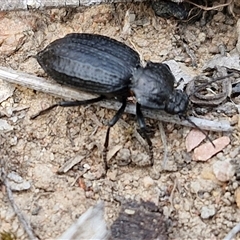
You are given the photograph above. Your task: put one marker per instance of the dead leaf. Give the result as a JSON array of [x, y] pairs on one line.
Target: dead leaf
[[207, 150], [193, 139]]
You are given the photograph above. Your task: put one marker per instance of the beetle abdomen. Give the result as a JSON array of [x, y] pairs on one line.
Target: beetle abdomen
[[90, 62]]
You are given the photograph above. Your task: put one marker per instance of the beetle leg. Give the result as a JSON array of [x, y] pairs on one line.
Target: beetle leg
[[111, 123], [68, 104], [142, 124]]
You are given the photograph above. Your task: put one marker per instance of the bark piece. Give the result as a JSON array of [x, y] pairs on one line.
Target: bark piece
[[139, 221]]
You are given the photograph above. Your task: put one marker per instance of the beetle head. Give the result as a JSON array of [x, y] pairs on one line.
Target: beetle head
[[177, 102]]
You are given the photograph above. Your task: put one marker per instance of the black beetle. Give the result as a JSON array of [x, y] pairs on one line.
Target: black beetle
[[104, 66]]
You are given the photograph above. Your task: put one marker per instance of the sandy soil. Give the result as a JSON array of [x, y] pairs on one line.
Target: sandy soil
[[36, 149]]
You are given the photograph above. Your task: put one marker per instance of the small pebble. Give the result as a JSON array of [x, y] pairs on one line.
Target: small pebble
[[187, 205], [223, 170], [202, 37], [113, 175], [208, 211], [148, 182], [17, 183], [234, 152], [86, 166], [207, 173], [10, 214], [195, 187], [4, 126], [235, 185], [129, 211]]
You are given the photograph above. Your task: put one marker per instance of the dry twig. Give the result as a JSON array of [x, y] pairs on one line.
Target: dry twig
[[21, 218], [53, 88], [164, 142], [44, 4], [233, 232]]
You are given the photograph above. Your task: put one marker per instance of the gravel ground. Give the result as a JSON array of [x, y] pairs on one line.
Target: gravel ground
[[195, 204]]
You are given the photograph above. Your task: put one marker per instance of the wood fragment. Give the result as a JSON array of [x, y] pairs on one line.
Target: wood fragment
[[90, 225], [51, 87], [164, 142], [10, 5], [70, 163]]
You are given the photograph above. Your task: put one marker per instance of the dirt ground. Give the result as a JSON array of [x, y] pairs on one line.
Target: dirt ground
[[186, 190]]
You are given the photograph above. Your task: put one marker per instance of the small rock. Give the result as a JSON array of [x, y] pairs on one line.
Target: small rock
[[195, 186], [89, 176], [223, 170], [9, 217], [237, 197], [148, 182], [207, 150], [207, 173], [17, 183], [140, 159], [40, 171], [238, 33], [193, 139], [129, 211], [202, 37], [4, 126], [235, 185], [123, 157], [208, 211], [187, 205], [6, 90], [113, 175], [234, 153], [219, 17], [86, 166], [202, 185]]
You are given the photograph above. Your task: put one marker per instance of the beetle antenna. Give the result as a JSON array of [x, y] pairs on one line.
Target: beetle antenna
[[197, 127]]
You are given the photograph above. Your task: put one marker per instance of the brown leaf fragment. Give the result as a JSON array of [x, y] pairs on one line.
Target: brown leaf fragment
[[206, 151], [193, 139]]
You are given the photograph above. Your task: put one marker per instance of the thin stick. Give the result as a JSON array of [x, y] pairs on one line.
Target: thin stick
[[51, 87], [21, 218], [44, 4], [164, 142], [233, 232]]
